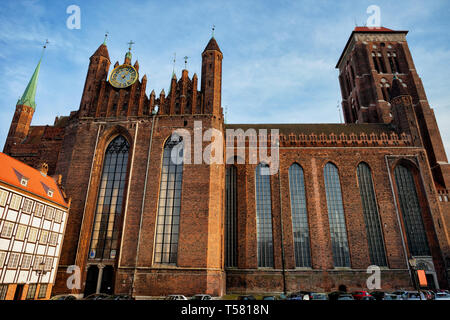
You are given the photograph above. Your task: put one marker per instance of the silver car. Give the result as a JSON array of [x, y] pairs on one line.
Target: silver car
[[442, 296], [176, 297]]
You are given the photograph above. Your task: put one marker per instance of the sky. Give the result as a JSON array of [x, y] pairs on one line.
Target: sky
[[279, 56]]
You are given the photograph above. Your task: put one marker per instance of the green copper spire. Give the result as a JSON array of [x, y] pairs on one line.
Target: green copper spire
[[28, 97]]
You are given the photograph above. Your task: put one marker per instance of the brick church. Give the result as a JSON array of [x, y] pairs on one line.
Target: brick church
[[371, 191]]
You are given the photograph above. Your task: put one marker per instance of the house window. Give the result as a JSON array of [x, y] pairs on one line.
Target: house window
[[2, 258], [38, 263], [42, 291], [48, 264], [7, 229], [15, 202], [106, 231], [3, 291], [411, 212], [26, 261], [231, 217], [3, 197], [168, 221], [58, 216], [13, 260], [21, 232], [339, 243], [31, 293], [49, 213], [39, 210], [371, 215], [44, 237], [27, 206], [263, 216], [53, 239], [33, 235], [24, 181], [299, 214]]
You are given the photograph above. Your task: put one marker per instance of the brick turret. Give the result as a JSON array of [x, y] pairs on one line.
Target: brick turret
[[211, 82]]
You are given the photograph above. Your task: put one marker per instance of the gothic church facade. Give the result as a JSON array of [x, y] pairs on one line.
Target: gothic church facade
[[372, 191]]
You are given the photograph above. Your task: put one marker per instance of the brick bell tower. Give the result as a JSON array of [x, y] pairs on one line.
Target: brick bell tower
[[371, 59], [23, 115]]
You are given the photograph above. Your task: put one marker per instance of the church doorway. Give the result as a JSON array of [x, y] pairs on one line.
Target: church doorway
[[91, 280], [107, 285]]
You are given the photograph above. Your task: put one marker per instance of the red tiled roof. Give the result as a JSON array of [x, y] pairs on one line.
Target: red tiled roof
[[372, 29], [12, 171]]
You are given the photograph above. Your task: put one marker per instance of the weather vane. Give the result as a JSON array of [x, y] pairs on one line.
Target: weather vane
[[213, 28], [185, 61], [106, 36]]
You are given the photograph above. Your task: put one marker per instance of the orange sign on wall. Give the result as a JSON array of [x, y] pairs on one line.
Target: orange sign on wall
[[422, 278]]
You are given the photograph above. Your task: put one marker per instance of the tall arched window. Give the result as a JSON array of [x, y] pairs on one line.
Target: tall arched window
[[264, 216], [168, 221], [411, 212], [371, 215], [338, 231], [231, 219], [299, 217], [106, 230]]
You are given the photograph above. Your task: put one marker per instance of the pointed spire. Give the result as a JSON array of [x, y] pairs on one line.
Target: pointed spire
[[102, 51], [29, 95], [136, 65], [212, 45]]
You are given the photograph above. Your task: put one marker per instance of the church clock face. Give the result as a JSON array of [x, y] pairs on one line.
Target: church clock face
[[123, 76]]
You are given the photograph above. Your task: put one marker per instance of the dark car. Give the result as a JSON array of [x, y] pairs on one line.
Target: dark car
[[119, 297], [345, 296], [269, 298], [64, 297], [97, 296], [378, 295], [247, 297], [295, 296]]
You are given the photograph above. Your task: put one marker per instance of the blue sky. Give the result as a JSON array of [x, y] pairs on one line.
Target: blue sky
[[279, 56]]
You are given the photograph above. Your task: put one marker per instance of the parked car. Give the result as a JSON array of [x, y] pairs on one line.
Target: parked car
[[390, 296], [295, 296], [403, 295], [358, 295], [442, 296], [96, 296], [269, 298], [430, 295], [64, 297], [201, 297], [345, 296], [367, 298], [414, 295], [378, 295], [119, 297], [175, 297], [318, 296], [246, 297]]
